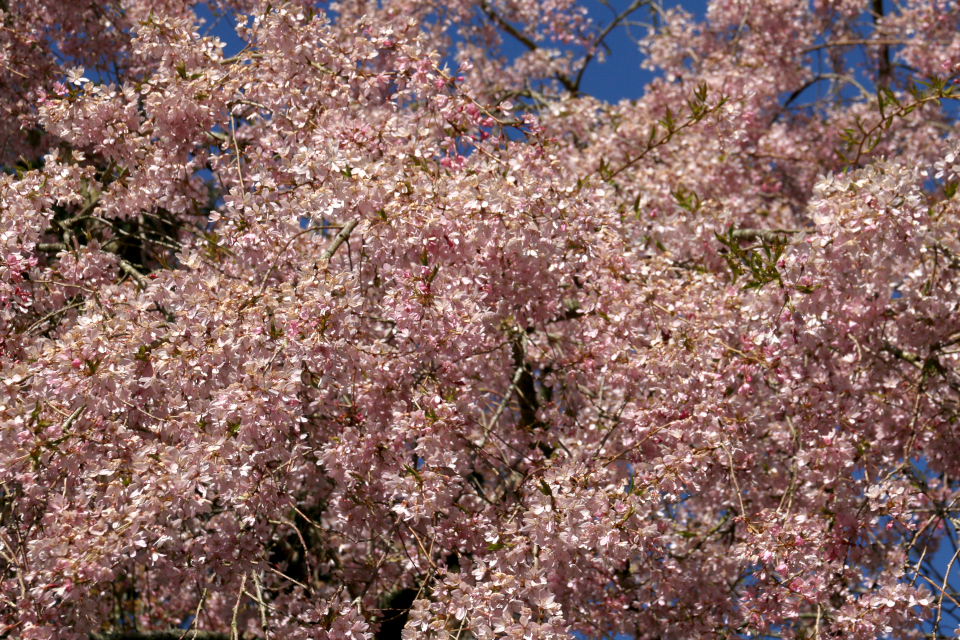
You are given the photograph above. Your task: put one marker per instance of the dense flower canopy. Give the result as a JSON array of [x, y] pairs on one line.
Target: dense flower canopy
[[373, 328]]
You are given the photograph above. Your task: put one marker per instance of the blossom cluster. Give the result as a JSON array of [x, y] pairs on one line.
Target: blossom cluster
[[368, 328]]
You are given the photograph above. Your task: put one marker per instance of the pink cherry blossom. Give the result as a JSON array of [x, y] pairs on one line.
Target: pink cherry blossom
[[375, 329]]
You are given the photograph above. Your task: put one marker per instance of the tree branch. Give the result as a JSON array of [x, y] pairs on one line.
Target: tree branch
[[636, 4], [524, 40], [767, 235], [338, 240], [131, 270], [51, 247]]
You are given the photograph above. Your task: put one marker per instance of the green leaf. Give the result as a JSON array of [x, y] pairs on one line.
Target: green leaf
[[413, 472], [545, 488]]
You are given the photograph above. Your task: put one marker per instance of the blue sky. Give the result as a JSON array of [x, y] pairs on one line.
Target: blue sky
[[621, 76]]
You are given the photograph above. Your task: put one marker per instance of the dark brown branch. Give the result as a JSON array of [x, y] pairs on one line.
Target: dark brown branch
[[82, 215], [836, 77], [884, 70], [851, 43], [636, 4], [525, 388], [524, 40], [509, 28]]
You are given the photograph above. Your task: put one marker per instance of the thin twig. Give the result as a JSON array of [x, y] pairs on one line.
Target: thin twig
[[286, 577], [64, 284], [492, 422], [306, 551], [733, 478], [240, 58], [196, 616], [943, 590], [233, 134], [524, 40], [52, 314], [276, 259], [260, 604], [850, 43], [636, 4], [234, 634]]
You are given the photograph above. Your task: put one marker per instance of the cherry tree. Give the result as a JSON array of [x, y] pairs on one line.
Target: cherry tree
[[374, 330]]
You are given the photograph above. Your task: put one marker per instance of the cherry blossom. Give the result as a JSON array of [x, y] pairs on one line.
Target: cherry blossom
[[373, 329]]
